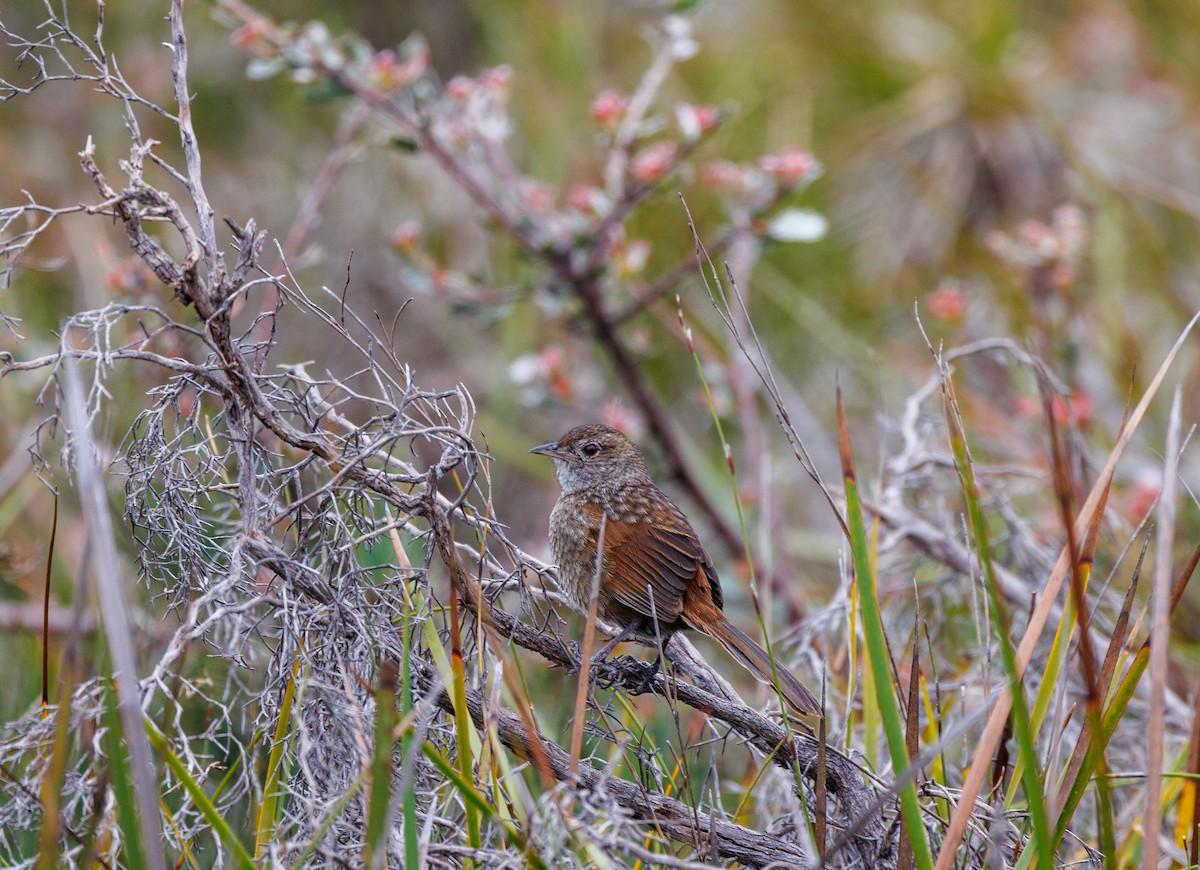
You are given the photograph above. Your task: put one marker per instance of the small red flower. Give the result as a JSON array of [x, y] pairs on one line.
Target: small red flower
[[1082, 406], [695, 120], [652, 162], [789, 166], [1141, 497], [406, 235], [497, 80], [609, 107], [948, 303], [249, 33], [460, 89]]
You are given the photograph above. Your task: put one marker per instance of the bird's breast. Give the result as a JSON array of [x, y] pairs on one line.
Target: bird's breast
[[573, 534]]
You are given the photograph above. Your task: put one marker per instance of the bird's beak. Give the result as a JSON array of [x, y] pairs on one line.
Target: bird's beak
[[552, 451]]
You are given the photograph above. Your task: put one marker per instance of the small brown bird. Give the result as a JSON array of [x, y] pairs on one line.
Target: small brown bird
[[653, 565]]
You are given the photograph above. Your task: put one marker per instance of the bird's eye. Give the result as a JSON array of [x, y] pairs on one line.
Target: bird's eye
[[591, 448]]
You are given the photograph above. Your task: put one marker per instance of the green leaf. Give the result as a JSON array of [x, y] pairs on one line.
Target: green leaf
[[407, 144]]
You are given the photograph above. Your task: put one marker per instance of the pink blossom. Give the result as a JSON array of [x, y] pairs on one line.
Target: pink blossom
[[653, 161], [788, 166], [608, 107], [542, 373], [460, 89], [695, 120], [630, 258], [538, 196], [1063, 274], [722, 174], [582, 197], [613, 413], [498, 81], [250, 33], [948, 302], [718, 173], [1069, 222], [387, 73], [405, 236]]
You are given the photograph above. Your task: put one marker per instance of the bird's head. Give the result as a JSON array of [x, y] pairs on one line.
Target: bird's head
[[592, 456]]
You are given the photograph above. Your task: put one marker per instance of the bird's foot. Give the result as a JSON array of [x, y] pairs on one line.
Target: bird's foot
[[645, 683], [606, 672], [574, 656], [612, 672]]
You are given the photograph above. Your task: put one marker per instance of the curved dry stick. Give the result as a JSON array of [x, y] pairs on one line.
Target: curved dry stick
[[674, 818], [800, 752]]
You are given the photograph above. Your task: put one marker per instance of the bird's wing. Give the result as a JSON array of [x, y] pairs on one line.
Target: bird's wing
[[664, 554]]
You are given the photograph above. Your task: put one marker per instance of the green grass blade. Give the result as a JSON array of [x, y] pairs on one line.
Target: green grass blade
[[1041, 841], [380, 795], [268, 815], [412, 853], [480, 804], [51, 832], [128, 818], [196, 792], [877, 653]]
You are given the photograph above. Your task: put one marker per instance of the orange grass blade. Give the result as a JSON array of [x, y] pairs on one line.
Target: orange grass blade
[[1188, 827]]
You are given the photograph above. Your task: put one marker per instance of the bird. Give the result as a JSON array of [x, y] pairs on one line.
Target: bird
[[655, 577]]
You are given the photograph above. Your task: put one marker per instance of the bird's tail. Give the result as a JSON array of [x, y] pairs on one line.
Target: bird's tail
[[754, 659]]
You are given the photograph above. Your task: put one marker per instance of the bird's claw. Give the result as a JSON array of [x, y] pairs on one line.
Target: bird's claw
[[572, 658], [645, 679], [606, 672], [611, 672]]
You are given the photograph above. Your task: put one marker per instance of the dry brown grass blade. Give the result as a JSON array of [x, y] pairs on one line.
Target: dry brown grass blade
[[1139, 661], [1182, 583], [1121, 627], [1037, 623], [1087, 555], [821, 791], [46, 610], [1081, 562], [1115, 644]]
